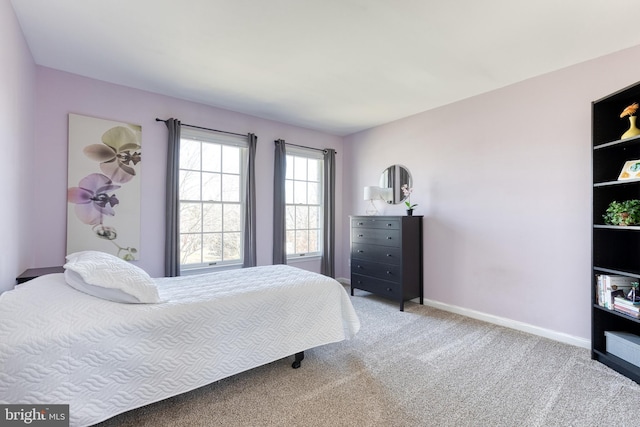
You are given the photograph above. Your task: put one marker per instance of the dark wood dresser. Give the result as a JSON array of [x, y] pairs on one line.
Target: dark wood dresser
[[386, 256]]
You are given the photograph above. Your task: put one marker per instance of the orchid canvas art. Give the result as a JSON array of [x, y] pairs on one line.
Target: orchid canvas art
[[103, 192]]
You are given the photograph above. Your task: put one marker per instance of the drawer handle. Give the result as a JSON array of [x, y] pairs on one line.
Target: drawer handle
[[388, 237], [389, 289], [360, 235], [358, 266], [389, 225], [361, 223], [389, 273], [360, 251], [359, 282], [389, 255]]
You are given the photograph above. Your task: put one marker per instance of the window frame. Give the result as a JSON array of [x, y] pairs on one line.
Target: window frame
[[204, 136], [306, 153]]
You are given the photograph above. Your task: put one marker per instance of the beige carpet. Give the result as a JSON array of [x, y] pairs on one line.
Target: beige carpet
[[423, 367]]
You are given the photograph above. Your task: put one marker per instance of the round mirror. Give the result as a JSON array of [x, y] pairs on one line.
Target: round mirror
[[393, 178]]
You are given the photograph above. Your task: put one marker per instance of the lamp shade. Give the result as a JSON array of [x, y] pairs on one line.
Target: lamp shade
[[371, 193]]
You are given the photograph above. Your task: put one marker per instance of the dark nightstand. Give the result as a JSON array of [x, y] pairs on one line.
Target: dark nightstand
[[32, 273]]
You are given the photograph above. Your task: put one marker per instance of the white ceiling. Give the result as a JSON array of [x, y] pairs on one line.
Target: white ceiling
[[339, 66]]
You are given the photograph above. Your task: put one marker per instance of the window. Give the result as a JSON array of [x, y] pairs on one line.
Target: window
[[303, 193], [212, 177]]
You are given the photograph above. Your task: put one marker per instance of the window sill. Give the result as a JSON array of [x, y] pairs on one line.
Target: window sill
[[295, 259]]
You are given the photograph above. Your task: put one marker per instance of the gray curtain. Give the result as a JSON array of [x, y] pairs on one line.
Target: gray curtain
[[279, 204], [250, 208], [329, 201], [172, 217]]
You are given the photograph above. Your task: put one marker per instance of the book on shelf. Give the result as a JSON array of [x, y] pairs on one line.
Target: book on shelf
[[623, 305], [627, 302], [626, 310], [607, 284]]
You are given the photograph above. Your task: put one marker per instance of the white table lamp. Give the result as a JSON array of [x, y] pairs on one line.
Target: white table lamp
[[372, 193]]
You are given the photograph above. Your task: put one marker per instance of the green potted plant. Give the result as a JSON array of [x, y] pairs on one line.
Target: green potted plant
[[623, 213], [407, 193]]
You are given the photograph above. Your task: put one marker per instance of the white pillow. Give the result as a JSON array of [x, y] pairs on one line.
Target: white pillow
[[109, 277]]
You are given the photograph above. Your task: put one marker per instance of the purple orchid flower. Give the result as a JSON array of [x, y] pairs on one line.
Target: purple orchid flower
[[119, 149], [92, 199]]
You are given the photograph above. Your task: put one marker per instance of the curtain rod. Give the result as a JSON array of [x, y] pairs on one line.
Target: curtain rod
[[324, 150], [200, 127]]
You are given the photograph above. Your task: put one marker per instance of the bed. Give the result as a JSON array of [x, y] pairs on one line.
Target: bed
[[60, 345]]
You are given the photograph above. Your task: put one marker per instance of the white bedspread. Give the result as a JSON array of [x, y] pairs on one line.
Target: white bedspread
[[58, 345]]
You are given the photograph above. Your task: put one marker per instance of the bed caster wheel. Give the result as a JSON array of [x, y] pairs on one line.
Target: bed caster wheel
[[299, 357]]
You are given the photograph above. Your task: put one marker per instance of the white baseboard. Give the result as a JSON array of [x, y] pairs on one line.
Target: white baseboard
[[513, 324], [502, 321]]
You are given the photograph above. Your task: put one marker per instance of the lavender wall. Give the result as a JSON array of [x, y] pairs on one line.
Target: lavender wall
[[17, 82], [60, 93], [504, 182]]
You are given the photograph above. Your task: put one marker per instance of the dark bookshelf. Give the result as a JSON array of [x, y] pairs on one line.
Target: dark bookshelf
[[615, 249]]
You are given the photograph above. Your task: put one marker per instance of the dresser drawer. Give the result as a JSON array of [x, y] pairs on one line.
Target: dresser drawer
[[389, 224], [376, 236], [376, 286], [388, 272], [383, 254]]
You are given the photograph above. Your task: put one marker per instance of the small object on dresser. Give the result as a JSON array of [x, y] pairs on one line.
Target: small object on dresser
[[406, 191]]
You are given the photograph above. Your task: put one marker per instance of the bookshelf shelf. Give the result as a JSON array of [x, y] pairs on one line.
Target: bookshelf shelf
[[628, 142], [616, 313], [615, 249], [601, 270], [610, 183], [618, 227]]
